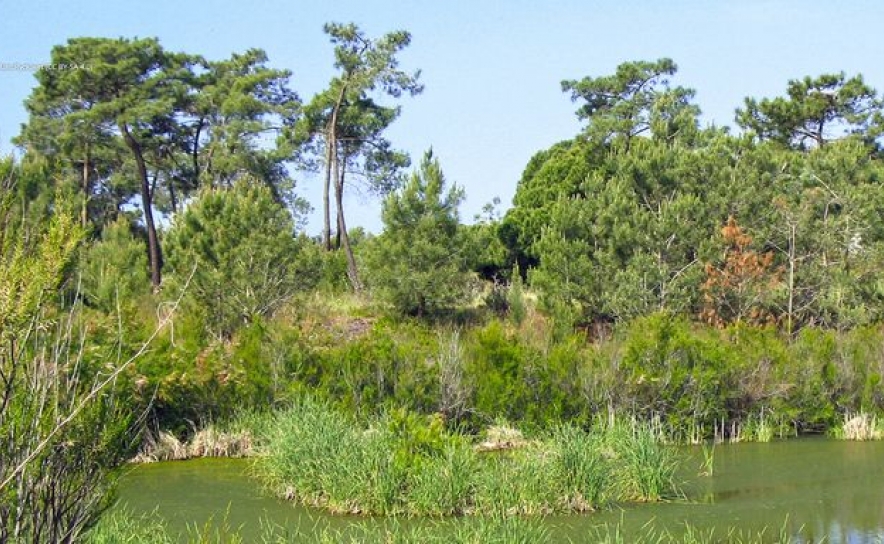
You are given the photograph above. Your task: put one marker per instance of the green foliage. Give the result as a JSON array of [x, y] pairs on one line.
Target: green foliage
[[122, 527], [65, 430], [123, 101], [406, 464], [635, 99], [550, 175], [497, 367], [343, 126], [137, 120], [245, 262], [484, 252], [566, 277], [515, 297], [631, 245], [416, 265], [193, 383], [674, 374], [648, 465], [114, 268], [622, 221], [581, 468], [815, 110], [616, 231], [388, 365], [443, 484], [696, 382], [237, 101]]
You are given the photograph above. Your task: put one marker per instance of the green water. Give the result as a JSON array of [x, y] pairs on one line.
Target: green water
[[828, 489]]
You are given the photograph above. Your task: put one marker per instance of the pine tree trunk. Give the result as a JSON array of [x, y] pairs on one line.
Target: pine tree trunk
[[352, 270], [326, 198], [331, 168], [153, 245], [84, 211]]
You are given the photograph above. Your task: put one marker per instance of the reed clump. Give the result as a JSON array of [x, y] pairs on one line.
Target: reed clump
[[404, 464], [860, 426], [211, 441]]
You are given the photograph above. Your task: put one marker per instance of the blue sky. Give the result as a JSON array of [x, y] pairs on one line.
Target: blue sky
[[492, 69]]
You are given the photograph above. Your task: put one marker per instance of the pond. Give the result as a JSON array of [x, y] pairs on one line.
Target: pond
[[827, 489]]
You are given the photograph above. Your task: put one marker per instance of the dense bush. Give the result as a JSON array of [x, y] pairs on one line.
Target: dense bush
[[417, 264], [239, 245], [696, 381], [670, 371], [64, 426], [114, 268]]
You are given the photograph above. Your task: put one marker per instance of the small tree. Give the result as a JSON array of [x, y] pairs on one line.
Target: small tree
[[515, 298], [114, 269], [740, 289], [248, 262], [416, 264]]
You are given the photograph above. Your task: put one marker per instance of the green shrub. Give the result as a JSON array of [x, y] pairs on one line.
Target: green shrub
[[64, 423], [515, 298], [496, 372], [416, 264], [114, 268], [239, 246], [674, 373]]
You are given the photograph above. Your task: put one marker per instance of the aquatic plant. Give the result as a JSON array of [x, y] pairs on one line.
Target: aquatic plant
[[647, 464], [580, 468], [444, 484], [210, 441], [859, 426], [708, 466], [121, 526], [407, 464]]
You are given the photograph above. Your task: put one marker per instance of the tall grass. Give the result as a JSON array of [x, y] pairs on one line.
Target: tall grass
[[518, 481], [708, 466], [580, 468], [402, 464], [443, 485], [859, 426], [122, 527], [315, 455], [616, 534], [647, 465]]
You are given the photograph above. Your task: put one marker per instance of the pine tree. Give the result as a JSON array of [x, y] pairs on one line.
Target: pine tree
[[416, 264]]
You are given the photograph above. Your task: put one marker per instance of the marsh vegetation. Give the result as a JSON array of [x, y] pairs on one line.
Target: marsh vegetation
[[655, 282]]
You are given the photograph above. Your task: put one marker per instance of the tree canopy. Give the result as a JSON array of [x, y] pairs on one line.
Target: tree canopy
[[816, 111]]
